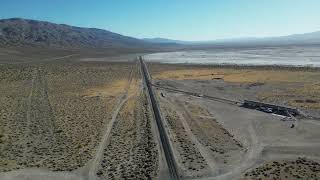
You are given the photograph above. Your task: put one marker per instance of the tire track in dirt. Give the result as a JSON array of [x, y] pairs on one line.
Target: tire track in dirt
[[39, 134], [29, 101], [122, 99], [183, 112], [96, 161], [248, 161]]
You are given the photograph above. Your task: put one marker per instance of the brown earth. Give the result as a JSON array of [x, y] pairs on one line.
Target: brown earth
[[235, 142], [297, 87], [53, 115], [300, 168]]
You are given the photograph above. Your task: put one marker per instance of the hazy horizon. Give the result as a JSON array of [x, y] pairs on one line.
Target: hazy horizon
[[179, 20]]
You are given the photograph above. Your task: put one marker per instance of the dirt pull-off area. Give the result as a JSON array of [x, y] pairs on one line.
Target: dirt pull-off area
[[202, 146], [224, 147]]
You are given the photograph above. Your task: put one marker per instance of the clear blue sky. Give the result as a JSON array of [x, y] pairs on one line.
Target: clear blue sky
[[176, 19]]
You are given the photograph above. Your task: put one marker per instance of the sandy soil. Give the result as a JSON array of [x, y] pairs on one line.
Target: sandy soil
[[249, 141], [301, 168], [131, 152], [297, 87], [55, 116], [60, 125], [188, 157], [92, 120]]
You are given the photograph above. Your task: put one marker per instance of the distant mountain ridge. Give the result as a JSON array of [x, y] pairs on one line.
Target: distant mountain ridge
[[163, 41], [24, 32], [17, 32], [306, 38], [313, 37]]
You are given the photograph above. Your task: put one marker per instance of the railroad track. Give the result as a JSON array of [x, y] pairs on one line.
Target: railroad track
[[288, 111], [199, 95], [163, 136]]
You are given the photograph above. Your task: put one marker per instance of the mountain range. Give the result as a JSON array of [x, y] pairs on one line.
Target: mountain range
[[31, 33], [18, 32], [302, 39]]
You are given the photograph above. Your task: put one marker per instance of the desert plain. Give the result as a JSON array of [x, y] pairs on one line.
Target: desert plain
[[87, 117]]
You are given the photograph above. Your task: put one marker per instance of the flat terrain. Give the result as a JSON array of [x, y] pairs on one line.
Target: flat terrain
[[291, 55], [219, 140], [50, 115], [291, 86], [79, 116], [76, 120]]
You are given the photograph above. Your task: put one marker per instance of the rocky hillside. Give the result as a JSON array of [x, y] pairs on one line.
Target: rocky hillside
[[18, 32]]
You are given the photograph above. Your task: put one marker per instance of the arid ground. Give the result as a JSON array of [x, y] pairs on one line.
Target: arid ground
[[221, 140], [87, 116], [84, 119]]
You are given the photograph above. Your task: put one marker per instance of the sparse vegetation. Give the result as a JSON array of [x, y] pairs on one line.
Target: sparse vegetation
[[131, 152], [238, 138], [300, 168], [55, 115], [48, 117], [212, 134], [295, 87], [192, 162]]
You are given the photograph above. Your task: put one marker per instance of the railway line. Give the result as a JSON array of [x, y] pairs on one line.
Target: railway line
[[200, 95], [264, 107], [163, 136]]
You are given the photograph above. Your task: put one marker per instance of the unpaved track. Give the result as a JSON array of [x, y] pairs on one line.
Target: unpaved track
[[40, 122], [97, 160], [308, 150], [249, 159], [29, 101], [38, 134], [84, 173], [104, 141], [59, 58], [39, 174], [183, 111]]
